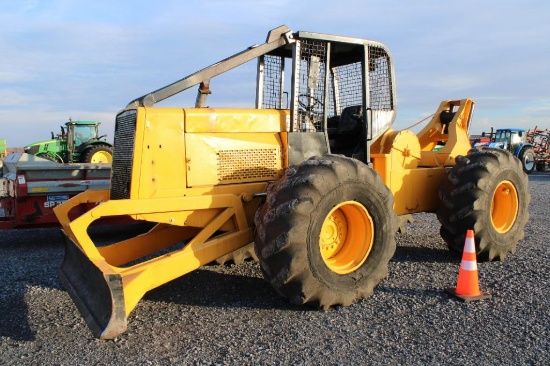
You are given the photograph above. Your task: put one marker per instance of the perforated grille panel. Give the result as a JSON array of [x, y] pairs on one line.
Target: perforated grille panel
[[248, 164], [125, 132]]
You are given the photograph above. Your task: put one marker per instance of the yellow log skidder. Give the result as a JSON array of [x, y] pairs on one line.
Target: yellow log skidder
[[313, 176]]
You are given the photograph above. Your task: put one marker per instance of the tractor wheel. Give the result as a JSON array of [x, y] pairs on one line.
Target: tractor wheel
[[527, 158], [98, 154], [326, 232], [239, 256], [488, 192]]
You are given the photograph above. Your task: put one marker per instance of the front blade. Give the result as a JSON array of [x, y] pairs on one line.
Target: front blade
[[98, 296]]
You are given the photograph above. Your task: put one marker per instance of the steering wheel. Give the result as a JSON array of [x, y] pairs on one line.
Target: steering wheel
[[309, 117], [310, 98]]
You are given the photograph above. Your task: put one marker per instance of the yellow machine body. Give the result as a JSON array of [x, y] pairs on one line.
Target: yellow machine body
[[200, 174], [195, 173], [413, 166]]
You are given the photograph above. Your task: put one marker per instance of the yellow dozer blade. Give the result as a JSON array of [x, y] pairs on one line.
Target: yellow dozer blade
[[106, 282], [99, 296]]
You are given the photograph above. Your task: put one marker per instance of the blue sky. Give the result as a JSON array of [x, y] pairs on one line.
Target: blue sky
[[88, 59]]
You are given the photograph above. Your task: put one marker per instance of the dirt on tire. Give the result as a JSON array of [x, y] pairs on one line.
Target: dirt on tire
[[468, 202], [289, 225]]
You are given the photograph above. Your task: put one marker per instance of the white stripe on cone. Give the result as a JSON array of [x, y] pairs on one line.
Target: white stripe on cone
[[468, 265], [470, 246]]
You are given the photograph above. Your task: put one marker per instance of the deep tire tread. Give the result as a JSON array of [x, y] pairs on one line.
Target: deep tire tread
[[284, 220], [466, 202]]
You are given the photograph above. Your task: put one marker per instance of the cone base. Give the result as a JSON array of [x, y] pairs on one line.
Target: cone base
[[482, 295]]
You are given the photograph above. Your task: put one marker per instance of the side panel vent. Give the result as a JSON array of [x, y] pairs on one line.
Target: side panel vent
[[247, 165], [228, 158]]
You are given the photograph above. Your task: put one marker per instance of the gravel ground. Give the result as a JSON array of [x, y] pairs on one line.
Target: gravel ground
[[229, 315]]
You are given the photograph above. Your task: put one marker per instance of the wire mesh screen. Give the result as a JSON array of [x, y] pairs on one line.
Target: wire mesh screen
[[310, 86], [380, 90], [346, 88], [380, 83], [272, 82]]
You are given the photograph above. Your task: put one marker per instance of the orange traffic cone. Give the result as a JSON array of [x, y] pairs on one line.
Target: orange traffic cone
[[467, 286]]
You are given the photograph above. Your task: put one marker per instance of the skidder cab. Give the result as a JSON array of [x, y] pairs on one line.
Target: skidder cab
[[312, 174]]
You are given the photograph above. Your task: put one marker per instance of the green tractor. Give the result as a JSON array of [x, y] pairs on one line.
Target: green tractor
[[78, 142], [2, 148]]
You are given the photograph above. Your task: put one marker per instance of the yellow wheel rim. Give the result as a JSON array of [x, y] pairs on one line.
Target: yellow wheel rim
[[346, 237], [102, 157], [504, 207]]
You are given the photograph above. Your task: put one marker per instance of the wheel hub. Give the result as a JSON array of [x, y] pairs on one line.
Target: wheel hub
[[346, 237], [101, 157], [333, 234], [504, 206], [529, 161]]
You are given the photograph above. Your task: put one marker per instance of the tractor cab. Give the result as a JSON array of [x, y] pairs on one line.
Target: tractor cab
[[508, 139], [81, 132], [515, 141]]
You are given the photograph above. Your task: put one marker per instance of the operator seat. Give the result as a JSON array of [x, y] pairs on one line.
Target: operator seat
[[346, 136], [351, 120]]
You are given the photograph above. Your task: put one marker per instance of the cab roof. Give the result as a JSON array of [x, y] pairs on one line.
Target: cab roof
[[514, 129]]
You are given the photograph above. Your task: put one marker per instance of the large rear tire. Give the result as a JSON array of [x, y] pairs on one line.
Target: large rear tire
[[98, 154], [487, 192], [326, 232]]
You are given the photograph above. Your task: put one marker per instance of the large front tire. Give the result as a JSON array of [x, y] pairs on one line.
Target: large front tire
[[326, 232], [487, 192]]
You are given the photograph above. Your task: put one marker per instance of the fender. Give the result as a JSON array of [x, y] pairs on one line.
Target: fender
[[88, 144], [520, 147]]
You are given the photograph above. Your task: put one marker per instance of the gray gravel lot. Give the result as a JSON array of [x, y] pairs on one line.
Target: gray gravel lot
[[229, 315]]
